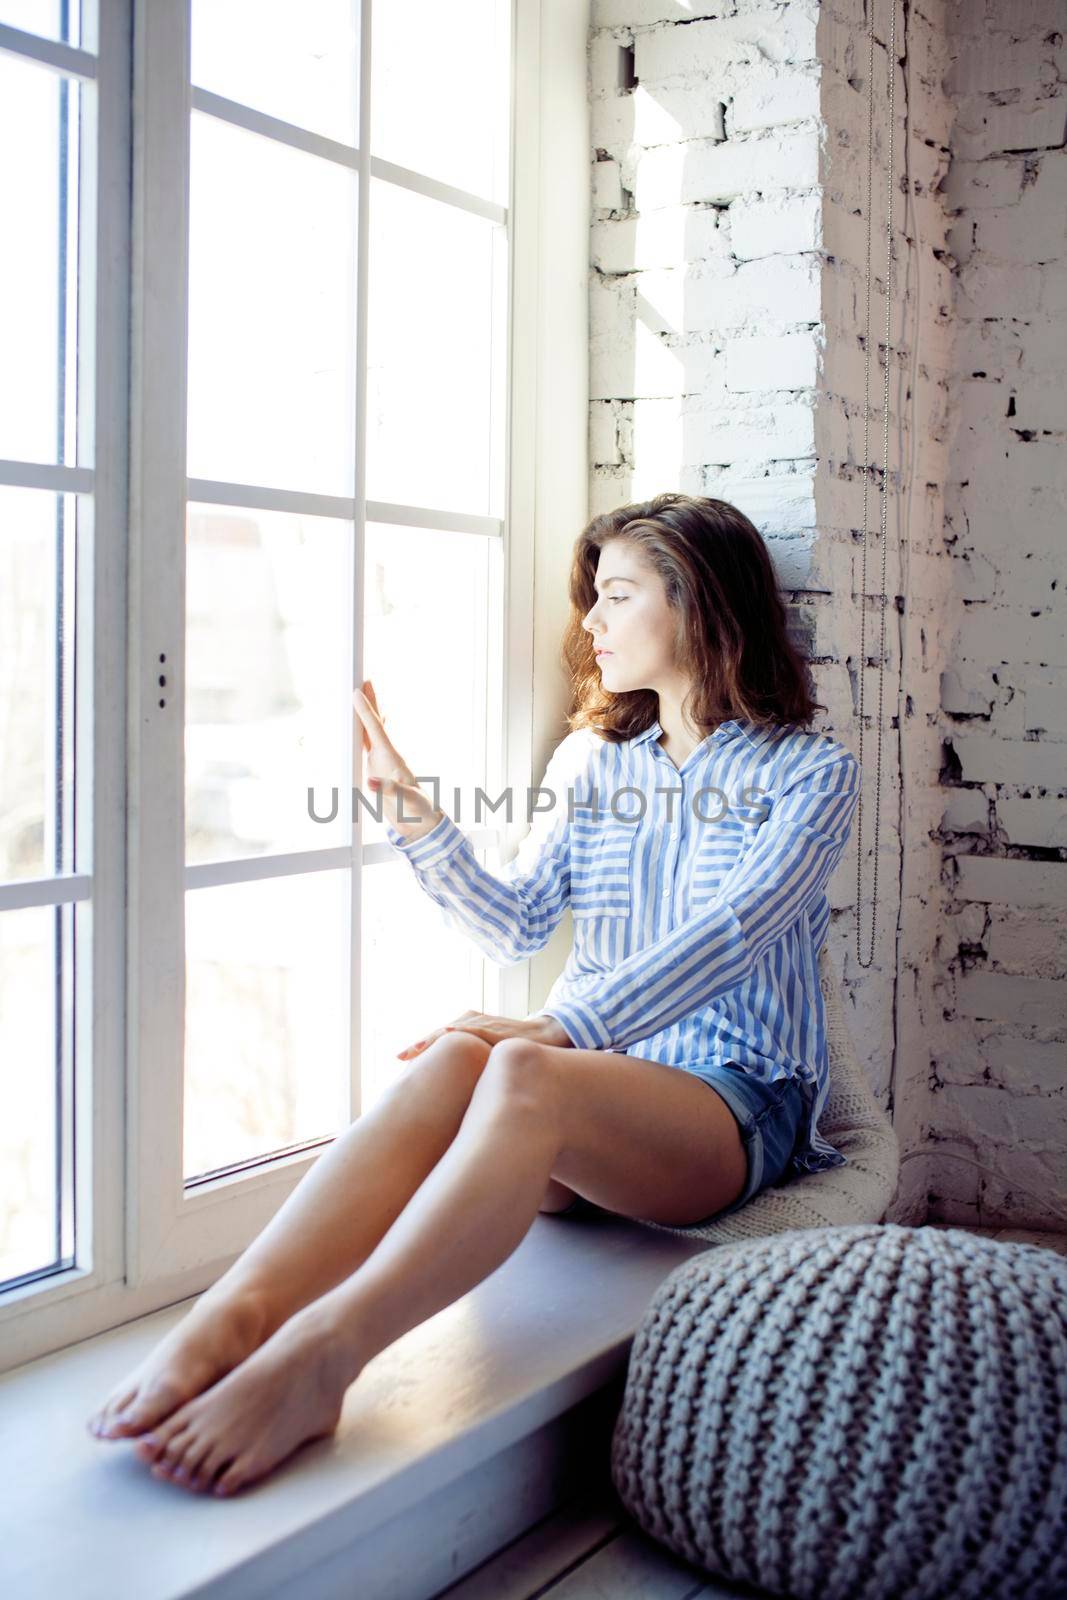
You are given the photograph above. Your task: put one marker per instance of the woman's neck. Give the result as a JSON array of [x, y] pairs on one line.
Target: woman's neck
[[680, 736]]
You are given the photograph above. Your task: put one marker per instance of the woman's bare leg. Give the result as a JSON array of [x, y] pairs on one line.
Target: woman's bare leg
[[468, 1216], [327, 1227]]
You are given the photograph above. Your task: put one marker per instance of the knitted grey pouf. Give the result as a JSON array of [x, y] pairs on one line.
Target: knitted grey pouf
[[856, 1413]]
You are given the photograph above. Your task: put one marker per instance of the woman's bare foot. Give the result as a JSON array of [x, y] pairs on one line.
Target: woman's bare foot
[[219, 1332], [288, 1391]]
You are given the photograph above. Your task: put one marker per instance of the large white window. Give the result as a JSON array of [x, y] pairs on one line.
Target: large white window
[[272, 399]]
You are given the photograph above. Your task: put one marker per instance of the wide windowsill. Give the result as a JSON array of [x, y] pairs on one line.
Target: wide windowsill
[[553, 1325]]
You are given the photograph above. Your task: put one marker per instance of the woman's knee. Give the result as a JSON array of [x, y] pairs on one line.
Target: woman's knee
[[452, 1064]]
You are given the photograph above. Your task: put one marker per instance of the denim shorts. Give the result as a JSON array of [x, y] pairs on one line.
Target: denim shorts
[[770, 1117]]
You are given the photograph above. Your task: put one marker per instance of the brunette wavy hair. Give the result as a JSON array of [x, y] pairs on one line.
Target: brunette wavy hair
[[730, 640]]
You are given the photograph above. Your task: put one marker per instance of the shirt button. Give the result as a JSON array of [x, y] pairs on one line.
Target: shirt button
[[666, 892], [674, 835]]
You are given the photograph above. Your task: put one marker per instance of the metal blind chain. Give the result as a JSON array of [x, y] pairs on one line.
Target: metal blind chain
[[867, 466]]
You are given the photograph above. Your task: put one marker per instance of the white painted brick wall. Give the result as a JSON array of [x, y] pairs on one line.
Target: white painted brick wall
[[898, 990], [786, 362], [1040, 822], [1004, 705], [727, 301]]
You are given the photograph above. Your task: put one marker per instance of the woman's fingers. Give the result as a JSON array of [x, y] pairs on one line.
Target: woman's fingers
[[371, 700], [368, 714], [417, 1049], [424, 1044], [366, 699], [374, 734]]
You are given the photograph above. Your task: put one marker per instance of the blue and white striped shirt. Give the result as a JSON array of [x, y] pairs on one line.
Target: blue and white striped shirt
[[698, 896]]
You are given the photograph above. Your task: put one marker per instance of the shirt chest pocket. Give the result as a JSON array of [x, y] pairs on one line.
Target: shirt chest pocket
[[601, 867], [722, 845]]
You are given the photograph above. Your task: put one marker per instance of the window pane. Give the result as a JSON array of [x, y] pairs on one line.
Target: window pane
[[266, 1017], [440, 105], [39, 113], [36, 662], [436, 300], [28, 1197], [48, 19], [417, 973], [272, 284], [268, 707], [426, 651], [296, 62]]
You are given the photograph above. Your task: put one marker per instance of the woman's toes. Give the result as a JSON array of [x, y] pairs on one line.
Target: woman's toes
[[217, 1460], [185, 1466], [216, 1336], [115, 1425], [157, 1444], [174, 1454], [101, 1421], [157, 1404], [191, 1464], [124, 1421], [231, 1479]]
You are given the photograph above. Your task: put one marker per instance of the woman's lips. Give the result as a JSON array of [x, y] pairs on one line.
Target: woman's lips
[[599, 653]]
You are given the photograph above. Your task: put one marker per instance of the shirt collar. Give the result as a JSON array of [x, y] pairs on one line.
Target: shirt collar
[[723, 733]]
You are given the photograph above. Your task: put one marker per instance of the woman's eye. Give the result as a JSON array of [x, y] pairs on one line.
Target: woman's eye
[[617, 597]]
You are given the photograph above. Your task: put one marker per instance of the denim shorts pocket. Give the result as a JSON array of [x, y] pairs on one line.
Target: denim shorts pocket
[[777, 1127]]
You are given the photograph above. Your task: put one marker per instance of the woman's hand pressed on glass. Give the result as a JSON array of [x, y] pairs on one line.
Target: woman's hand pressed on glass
[[388, 774]]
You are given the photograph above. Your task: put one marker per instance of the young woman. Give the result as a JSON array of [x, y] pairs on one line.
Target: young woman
[[679, 1063]]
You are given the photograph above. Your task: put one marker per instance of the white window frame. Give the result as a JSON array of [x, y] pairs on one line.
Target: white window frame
[[143, 1241]]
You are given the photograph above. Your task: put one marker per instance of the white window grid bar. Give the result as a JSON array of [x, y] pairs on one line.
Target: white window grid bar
[[345, 155], [325, 505], [65, 888], [65, 58], [42, 475], [358, 540], [79, 480]]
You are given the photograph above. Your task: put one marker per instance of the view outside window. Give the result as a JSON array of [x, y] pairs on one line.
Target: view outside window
[[40, 111], [274, 279], [292, 511], [49, 19]]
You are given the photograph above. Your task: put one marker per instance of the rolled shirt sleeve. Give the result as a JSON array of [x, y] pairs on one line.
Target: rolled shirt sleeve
[[512, 912], [789, 864]]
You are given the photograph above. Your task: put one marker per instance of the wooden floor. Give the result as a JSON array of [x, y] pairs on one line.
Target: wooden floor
[[593, 1550]]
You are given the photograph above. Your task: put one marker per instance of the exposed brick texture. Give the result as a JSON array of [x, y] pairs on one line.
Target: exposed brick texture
[[727, 357], [1004, 706]]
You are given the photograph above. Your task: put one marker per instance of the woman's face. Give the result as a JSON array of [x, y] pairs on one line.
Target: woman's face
[[632, 621]]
